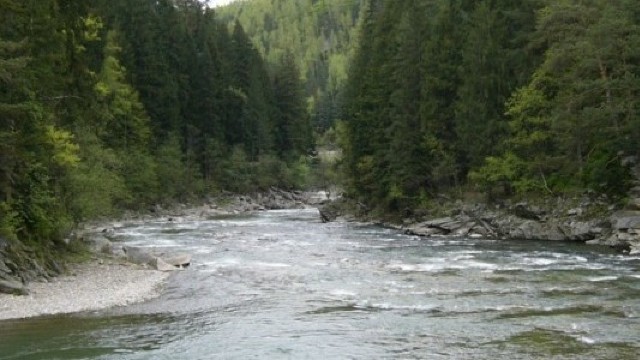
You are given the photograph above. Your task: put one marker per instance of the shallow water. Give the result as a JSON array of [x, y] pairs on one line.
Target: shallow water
[[281, 285]]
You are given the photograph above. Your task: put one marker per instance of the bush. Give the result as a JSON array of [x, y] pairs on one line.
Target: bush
[[605, 173]]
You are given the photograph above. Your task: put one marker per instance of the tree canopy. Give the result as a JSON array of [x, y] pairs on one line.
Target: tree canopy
[[528, 96], [110, 105]]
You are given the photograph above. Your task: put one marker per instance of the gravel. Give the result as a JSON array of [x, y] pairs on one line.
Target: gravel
[[90, 287]]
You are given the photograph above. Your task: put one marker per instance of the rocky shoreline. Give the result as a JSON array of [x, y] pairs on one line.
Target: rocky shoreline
[[590, 218], [585, 220]]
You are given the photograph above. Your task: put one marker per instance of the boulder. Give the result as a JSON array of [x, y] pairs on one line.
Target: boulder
[[138, 255], [463, 229], [13, 288], [97, 243], [327, 215], [143, 256], [421, 230], [533, 230], [618, 241], [623, 221], [161, 265], [459, 226], [581, 230], [439, 223]]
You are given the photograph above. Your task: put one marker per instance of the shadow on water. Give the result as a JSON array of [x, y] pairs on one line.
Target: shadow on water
[[86, 336]]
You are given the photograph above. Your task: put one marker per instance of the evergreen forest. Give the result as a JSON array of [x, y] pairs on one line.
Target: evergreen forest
[[108, 105], [321, 34], [503, 98]]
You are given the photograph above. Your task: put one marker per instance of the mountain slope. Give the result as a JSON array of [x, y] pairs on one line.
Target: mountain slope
[[321, 35]]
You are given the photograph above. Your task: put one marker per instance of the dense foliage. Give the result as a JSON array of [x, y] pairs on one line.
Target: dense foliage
[[116, 104], [321, 34], [511, 96]]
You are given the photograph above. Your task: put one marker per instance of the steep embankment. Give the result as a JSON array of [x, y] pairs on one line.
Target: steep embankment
[[21, 264]]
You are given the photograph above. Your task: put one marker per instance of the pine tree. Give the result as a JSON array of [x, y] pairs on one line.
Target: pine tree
[[293, 128]]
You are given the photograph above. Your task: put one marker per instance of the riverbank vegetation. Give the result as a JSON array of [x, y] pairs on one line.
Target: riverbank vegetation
[[528, 98]]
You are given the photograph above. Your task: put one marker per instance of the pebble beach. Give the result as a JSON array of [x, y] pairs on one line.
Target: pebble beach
[[88, 287]]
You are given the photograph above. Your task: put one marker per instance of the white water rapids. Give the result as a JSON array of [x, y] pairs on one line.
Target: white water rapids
[[282, 285]]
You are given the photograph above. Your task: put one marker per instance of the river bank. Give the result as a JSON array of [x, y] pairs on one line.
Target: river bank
[[92, 286], [585, 219], [115, 277]]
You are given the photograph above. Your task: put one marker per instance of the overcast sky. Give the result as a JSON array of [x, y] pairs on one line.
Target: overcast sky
[[219, 2]]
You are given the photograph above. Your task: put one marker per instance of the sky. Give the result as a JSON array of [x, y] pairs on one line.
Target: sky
[[219, 2]]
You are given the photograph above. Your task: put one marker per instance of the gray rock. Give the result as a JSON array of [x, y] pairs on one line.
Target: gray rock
[[575, 212], [438, 223], [596, 231], [480, 231], [581, 231], [464, 229], [420, 230], [327, 215], [13, 288], [161, 265], [97, 243], [618, 241], [626, 221], [457, 226], [533, 230], [139, 255], [4, 268]]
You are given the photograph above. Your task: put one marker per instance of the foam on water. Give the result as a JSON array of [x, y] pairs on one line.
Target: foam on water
[[603, 278], [282, 280]]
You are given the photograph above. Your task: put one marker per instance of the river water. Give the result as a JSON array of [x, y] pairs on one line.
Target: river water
[[282, 285]]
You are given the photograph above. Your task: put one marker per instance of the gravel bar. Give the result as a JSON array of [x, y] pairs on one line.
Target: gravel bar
[[92, 286]]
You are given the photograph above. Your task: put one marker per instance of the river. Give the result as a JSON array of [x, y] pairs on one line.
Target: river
[[282, 285]]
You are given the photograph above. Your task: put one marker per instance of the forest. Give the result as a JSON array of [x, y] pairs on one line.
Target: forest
[[120, 104], [321, 34], [504, 98]]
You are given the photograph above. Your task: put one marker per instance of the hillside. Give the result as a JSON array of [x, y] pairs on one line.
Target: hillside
[[321, 35]]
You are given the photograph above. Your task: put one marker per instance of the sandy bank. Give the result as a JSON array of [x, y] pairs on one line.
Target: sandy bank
[[92, 286]]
